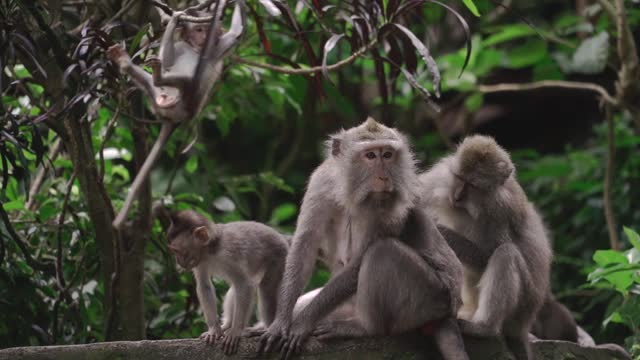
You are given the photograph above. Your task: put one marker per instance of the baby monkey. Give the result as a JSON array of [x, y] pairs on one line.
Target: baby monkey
[[247, 255], [183, 77]]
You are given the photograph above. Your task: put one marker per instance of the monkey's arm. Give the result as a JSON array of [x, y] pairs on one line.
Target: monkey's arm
[[335, 292], [208, 302], [315, 215], [468, 252], [230, 38], [167, 47], [421, 234]]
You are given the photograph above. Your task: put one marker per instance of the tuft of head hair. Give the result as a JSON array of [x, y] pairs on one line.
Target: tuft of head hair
[[185, 221], [369, 130], [483, 162]]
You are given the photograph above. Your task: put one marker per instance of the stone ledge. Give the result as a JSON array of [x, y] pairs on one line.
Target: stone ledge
[[409, 346]]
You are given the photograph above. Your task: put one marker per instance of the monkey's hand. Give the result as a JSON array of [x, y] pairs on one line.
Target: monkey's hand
[[210, 336], [231, 340], [154, 63], [256, 330], [300, 332], [118, 55], [273, 337]]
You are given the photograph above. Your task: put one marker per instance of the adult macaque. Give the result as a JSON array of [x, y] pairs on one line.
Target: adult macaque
[[552, 322], [182, 79], [247, 255], [475, 193], [360, 208]]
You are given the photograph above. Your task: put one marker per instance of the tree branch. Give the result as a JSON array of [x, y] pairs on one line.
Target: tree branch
[[550, 83], [307, 71], [608, 181], [45, 267]]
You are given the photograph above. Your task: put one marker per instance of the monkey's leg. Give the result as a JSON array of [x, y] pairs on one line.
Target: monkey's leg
[[228, 308], [469, 294], [244, 295], [339, 329], [519, 345], [501, 289], [141, 78], [268, 293], [449, 340], [418, 295]]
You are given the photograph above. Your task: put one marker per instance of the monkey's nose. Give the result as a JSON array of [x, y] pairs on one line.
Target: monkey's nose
[[383, 178]]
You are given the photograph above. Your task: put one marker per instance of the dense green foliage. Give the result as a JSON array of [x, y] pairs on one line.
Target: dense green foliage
[[261, 136]]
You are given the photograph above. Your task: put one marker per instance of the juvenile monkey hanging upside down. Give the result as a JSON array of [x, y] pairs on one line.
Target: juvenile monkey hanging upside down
[[361, 210], [246, 254]]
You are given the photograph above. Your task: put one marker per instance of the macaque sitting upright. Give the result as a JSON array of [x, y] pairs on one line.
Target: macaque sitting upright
[[246, 254]]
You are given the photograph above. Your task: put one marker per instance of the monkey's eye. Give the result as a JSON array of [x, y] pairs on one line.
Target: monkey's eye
[[370, 155], [387, 155]]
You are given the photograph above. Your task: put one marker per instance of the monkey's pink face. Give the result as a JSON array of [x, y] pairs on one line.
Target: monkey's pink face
[[197, 36], [167, 97], [464, 195], [378, 161], [186, 258]]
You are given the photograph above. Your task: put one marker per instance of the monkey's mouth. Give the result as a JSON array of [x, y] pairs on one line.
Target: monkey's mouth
[[166, 102], [381, 195]]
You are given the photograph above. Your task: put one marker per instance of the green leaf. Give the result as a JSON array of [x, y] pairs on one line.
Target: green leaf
[[633, 237], [472, 7], [192, 164], [136, 40], [531, 53], [473, 102], [283, 213], [607, 257], [13, 205], [509, 32]]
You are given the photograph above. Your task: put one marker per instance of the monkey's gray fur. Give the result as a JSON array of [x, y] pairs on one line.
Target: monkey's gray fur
[[475, 193], [248, 255], [385, 250]]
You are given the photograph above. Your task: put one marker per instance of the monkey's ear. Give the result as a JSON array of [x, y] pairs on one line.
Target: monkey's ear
[[174, 248], [201, 234], [335, 146], [504, 170]]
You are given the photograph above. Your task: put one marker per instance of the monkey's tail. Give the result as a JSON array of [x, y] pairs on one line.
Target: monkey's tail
[[165, 131]]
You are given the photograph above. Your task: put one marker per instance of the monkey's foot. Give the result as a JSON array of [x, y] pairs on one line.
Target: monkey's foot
[[118, 54], [210, 336], [255, 330], [477, 329], [230, 341], [338, 329]]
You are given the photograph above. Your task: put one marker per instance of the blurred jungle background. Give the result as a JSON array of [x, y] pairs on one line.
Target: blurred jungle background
[[555, 82]]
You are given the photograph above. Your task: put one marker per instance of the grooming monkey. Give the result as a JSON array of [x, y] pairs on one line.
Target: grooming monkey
[[182, 79], [360, 210], [475, 193], [247, 255], [553, 321]]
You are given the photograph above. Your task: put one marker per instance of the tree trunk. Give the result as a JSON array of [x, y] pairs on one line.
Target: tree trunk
[[134, 239]]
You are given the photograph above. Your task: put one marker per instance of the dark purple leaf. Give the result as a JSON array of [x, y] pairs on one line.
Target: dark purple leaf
[[328, 46], [431, 63], [271, 8], [392, 6]]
